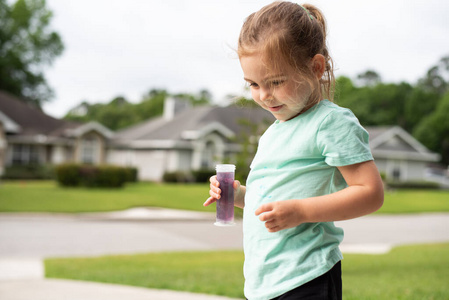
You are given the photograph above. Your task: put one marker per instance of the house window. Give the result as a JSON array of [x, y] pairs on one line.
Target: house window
[[89, 150], [396, 173], [25, 154], [207, 161]]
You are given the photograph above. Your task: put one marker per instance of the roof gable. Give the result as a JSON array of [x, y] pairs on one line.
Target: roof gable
[[30, 119], [396, 142], [91, 126], [207, 129], [8, 124]]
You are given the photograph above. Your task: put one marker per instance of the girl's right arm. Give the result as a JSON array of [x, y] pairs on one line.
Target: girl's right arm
[[215, 191]]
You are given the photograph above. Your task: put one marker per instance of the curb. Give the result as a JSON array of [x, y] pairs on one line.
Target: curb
[[131, 214]]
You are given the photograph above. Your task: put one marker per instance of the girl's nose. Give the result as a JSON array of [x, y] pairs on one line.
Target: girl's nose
[[265, 94]]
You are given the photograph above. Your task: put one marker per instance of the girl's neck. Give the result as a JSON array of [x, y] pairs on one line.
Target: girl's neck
[[309, 105], [314, 99]]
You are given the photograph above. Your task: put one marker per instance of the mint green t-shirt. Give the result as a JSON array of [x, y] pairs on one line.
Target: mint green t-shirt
[[298, 159]]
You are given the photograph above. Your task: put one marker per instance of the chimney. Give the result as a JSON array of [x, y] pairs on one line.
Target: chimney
[[173, 106]]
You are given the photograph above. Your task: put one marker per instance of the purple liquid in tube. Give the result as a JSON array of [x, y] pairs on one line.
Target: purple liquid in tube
[[225, 205]]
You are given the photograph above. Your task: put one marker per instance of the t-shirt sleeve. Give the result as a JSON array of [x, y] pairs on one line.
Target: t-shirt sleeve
[[342, 140]]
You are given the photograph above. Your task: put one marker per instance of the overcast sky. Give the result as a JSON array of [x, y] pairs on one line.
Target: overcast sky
[[118, 47]]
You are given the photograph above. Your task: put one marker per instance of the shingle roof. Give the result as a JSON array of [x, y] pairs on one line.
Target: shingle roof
[[376, 131], [192, 120], [31, 120]]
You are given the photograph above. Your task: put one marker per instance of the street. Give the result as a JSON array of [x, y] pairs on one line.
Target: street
[[46, 235]]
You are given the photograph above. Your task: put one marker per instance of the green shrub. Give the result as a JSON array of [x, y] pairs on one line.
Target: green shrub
[[68, 174], [413, 185], [27, 172], [131, 174], [178, 177], [110, 176], [203, 175], [88, 175], [91, 176], [200, 176]]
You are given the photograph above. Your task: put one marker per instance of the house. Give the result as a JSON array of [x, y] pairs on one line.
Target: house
[[184, 138], [399, 155], [196, 138], [29, 136]]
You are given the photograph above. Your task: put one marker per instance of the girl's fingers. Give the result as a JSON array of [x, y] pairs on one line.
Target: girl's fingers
[[264, 208], [267, 216], [213, 181], [236, 184], [215, 193], [209, 201], [272, 226], [274, 229]]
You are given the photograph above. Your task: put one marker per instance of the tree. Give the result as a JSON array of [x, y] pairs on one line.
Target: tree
[[419, 105], [369, 78], [433, 131], [120, 113], [26, 45], [436, 79]]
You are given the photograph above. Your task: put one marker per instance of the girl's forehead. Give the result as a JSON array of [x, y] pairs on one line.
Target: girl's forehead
[[263, 64]]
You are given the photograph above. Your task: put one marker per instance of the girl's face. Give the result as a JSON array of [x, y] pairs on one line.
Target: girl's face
[[284, 93]]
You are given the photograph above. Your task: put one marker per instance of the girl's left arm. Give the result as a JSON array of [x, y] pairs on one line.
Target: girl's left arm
[[363, 196]]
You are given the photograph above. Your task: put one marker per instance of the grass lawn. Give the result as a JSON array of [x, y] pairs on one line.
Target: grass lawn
[[409, 272], [47, 196], [415, 201]]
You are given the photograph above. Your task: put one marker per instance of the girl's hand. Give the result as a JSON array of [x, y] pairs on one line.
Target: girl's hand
[[280, 215], [363, 196], [215, 190]]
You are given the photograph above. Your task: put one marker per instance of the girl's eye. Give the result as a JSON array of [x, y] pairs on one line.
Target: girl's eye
[[253, 84], [277, 82]]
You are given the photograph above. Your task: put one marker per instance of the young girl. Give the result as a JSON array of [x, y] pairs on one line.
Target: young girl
[[313, 166]]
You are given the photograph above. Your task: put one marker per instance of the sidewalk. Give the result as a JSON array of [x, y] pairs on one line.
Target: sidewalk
[[56, 289], [23, 279]]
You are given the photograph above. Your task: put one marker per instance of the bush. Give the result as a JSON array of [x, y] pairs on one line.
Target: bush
[[92, 176], [68, 174], [178, 177], [200, 176], [27, 172], [413, 185], [111, 176], [203, 175], [131, 174]]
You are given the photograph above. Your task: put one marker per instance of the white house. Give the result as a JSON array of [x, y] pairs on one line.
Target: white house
[[199, 137], [183, 139], [398, 154]]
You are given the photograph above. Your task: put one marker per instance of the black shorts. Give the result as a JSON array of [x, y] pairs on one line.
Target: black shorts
[[326, 287]]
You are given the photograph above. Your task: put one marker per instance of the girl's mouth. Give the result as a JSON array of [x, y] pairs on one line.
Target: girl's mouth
[[275, 108]]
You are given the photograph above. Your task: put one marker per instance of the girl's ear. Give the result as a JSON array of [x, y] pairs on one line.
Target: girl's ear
[[318, 65]]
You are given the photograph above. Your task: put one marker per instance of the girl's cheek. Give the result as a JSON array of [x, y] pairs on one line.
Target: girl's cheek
[[255, 96]]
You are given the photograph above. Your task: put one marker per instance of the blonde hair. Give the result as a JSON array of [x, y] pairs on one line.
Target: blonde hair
[[288, 33]]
